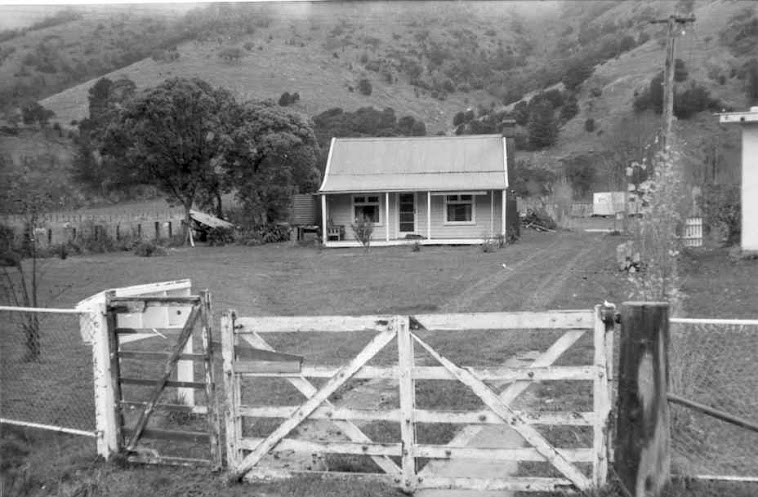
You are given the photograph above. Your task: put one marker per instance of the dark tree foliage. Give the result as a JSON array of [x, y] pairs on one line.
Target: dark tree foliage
[[34, 113], [172, 137], [569, 110], [542, 128], [589, 125], [680, 71], [364, 86], [521, 113], [268, 156], [577, 73], [581, 175], [530, 181], [751, 83]]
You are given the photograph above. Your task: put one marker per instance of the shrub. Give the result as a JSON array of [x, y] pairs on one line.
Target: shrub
[[285, 99], [363, 229], [148, 249], [589, 125], [364, 86], [569, 110], [721, 205], [596, 91], [218, 237]]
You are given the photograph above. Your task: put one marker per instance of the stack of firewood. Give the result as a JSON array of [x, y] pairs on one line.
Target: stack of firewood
[[628, 258]]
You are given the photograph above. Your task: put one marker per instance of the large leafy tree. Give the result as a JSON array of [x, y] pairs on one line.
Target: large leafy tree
[[269, 155], [173, 137]]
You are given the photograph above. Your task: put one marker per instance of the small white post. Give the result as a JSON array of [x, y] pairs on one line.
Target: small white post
[[503, 220], [185, 369], [387, 216], [429, 215], [105, 413], [324, 237], [492, 213]]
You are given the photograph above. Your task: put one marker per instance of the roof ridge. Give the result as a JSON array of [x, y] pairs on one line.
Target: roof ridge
[[418, 138]]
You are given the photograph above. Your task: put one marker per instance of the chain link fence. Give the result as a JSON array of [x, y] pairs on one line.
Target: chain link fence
[[713, 362], [46, 377]]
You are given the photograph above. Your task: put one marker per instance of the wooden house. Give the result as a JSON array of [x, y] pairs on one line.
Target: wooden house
[[442, 190]]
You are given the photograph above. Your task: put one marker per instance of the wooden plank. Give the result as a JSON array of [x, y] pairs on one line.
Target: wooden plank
[[115, 369], [269, 368], [497, 454], [232, 420], [407, 393], [211, 401], [527, 374], [483, 417], [601, 402], [512, 484], [310, 447], [157, 300], [161, 383], [373, 347], [169, 383], [145, 458], [506, 321], [199, 437], [642, 411], [348, 429], [429, 451], [301, 324], [242, 353], [135, 354], [517, 388], [201, 410], [159, 332], [529, 434]]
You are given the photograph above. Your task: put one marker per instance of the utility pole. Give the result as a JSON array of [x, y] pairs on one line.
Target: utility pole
[[674, 22]]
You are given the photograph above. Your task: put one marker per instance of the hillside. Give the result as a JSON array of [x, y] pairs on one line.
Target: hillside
[[432, 60]]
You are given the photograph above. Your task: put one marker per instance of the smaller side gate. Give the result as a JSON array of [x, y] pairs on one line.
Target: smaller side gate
[[158, 419], [253, 449]]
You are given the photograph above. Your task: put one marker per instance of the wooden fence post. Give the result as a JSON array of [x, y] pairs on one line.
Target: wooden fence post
[[642, 455], [232, 418], [407, 403], [105, 415]]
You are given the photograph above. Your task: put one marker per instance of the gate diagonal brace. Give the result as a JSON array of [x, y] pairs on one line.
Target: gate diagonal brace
[[348, 428], [302, 412], [516, 388], [528, 433]]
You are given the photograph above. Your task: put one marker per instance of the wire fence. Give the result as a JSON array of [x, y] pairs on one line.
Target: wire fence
[[46, 376], [713, 362]]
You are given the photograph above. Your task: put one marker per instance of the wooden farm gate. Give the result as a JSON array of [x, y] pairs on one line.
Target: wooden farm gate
[[256, 450], [144, 363]]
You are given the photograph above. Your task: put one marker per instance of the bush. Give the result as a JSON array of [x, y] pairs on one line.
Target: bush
[[364, 86], [363, 229], [721, 205], [218, 237], [589, 125], [148, 249]]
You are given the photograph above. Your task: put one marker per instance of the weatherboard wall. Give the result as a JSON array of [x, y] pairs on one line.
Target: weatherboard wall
[[487, 216]]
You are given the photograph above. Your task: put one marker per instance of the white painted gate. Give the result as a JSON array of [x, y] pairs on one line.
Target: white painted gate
[[577, 468]]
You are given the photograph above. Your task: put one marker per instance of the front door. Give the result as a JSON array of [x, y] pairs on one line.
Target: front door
[[407, 213]]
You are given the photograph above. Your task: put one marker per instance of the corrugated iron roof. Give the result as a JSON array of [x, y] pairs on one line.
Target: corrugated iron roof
[[440, 163], [209, 220]]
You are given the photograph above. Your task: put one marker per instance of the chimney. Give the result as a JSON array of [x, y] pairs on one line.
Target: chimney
[[508, 131]]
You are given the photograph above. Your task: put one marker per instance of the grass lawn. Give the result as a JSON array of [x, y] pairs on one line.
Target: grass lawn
[[543, 271]]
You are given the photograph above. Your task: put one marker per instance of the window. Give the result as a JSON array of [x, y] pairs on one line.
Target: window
[[367, 207], [459, 209]]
